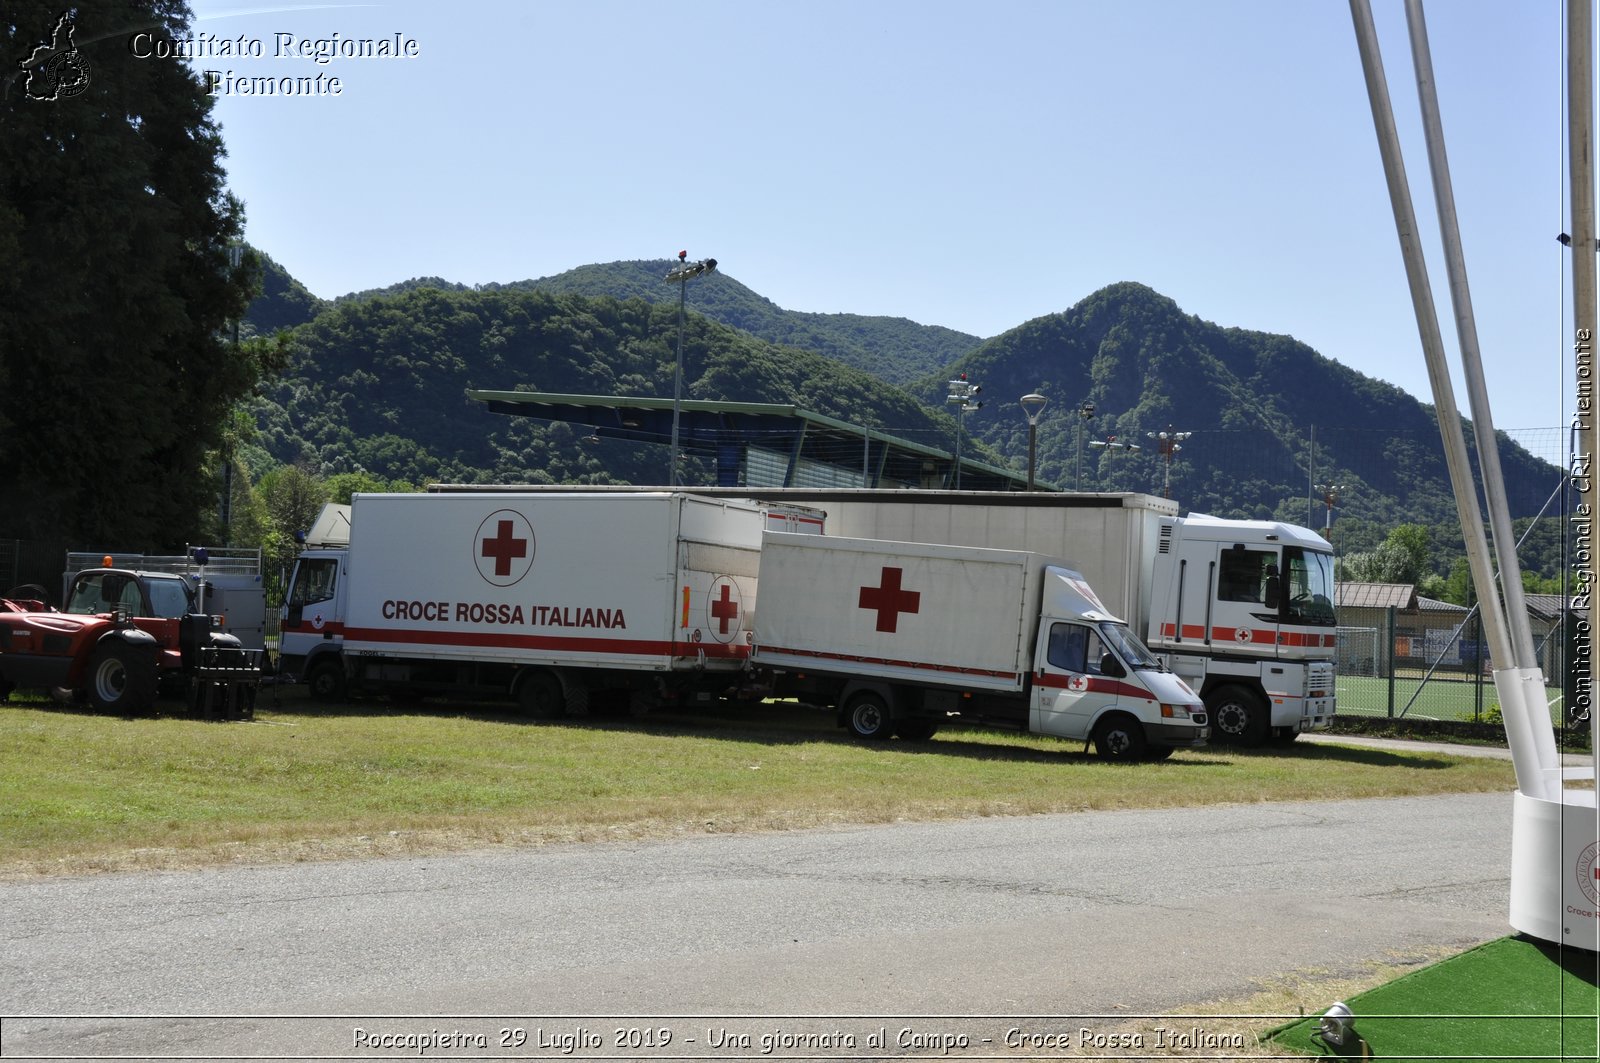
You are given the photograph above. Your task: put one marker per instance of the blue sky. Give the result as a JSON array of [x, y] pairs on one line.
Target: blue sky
[[960, 166]]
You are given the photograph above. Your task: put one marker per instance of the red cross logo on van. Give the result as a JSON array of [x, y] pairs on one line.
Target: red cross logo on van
[[723, 607], [503, 547], [888, 600]]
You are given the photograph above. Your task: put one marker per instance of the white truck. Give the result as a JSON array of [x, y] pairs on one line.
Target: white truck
[[553, 601], [1195, 588], [902, 637], [1242, 610]]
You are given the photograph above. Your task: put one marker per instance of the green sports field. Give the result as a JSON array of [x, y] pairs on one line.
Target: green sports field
[[1439, 699]]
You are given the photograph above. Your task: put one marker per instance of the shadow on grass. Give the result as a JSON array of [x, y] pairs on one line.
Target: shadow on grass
[[1579, 963], [773, 724]]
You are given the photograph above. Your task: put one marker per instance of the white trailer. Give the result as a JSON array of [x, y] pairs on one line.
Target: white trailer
[[552, 600], [902, 637]]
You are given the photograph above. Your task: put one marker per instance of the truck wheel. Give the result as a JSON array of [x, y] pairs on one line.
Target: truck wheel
[[325, 681], [868, 717], [541, 697], [576, 700], [1119, 737], [1238, 716], [120, 678], [916, 729]]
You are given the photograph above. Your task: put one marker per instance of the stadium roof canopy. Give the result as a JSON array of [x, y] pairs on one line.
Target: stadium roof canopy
[[756, 444]]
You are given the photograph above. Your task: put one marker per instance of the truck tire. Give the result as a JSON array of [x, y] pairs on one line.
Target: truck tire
[[1238, 716], [1119, 737], [120, 678], [575, 702], [540, 696], [916, 729], [643, 702], [325, 681], [867, 716]]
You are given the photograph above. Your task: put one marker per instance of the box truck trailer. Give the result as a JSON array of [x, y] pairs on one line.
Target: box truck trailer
[[904, 637], [552, 601], [1242, 610]]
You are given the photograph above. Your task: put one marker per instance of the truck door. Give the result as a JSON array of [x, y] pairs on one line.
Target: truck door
[[1069, 687], [1249, 597]]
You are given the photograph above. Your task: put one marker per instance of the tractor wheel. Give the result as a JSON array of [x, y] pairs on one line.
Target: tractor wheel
[[120, 678]]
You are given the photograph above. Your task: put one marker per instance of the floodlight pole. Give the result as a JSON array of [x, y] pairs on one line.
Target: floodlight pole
[[681, 274]]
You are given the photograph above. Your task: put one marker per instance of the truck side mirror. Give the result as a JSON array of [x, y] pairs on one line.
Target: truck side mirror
[[1110, 666]]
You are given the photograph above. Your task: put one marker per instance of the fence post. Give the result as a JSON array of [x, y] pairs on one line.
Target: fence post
[[1477, 670], [1389, 654]]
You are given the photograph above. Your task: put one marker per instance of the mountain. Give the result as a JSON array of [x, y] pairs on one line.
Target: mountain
[[892, 349], [376, 382], [1270, 417]]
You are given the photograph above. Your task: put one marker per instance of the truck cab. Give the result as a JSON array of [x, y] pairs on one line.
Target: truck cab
[[1094, 678], [1245, 613]]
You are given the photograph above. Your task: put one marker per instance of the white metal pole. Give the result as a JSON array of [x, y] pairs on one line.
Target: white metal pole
[[1530, 779], [1527, 681]]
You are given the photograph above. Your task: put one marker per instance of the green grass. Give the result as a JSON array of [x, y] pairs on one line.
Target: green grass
[[1440, 699], [1514, 998], [80, 791]]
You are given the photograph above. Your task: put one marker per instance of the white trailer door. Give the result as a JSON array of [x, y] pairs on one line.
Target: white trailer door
[[1069, 689]]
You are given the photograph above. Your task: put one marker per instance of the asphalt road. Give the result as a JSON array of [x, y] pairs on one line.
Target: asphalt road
[[1087, 914]]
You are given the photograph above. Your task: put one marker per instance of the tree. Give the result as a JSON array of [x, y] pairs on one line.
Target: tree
[[116, 287]]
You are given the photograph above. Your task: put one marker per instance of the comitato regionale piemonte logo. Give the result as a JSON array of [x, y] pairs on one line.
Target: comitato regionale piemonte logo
[[56, 70]]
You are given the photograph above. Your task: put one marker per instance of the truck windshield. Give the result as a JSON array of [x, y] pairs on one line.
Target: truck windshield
[[1310, 587], [1128, 647]]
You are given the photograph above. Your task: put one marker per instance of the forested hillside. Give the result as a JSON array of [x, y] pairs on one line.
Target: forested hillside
[[378, 385], [1252, 401]]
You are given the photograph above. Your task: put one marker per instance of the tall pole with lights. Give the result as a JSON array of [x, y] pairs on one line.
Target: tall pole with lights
[[1085, 415], [1170, 443], [961, 396], [1033, 405], [1330, 496], [681, 275]]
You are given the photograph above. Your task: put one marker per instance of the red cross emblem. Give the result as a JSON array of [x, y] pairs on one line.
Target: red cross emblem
[[724, 609], [889, 600], [503, 547]]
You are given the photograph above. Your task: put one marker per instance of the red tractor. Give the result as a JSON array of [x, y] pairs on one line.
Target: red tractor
[[125, 637]]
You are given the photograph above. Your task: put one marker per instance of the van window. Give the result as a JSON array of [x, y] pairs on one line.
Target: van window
[[1075, 648]]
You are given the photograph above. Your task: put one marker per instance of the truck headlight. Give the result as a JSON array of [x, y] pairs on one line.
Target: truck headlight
[[1176, 712]]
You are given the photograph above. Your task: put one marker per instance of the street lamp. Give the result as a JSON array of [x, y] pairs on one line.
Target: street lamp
[[1169, 443], [1085, 415], [1033, 405], [680, 275], [1330, 496], [961, 393]]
